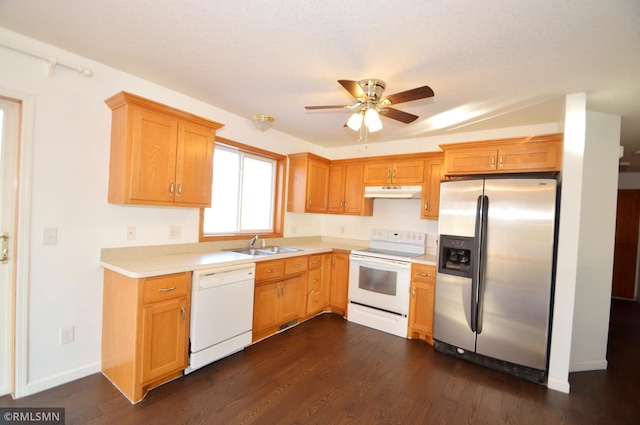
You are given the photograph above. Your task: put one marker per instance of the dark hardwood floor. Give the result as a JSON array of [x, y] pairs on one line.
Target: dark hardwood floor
[[330, 371]]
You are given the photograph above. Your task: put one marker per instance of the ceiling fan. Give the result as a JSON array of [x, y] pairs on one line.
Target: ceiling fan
[[370, 103]]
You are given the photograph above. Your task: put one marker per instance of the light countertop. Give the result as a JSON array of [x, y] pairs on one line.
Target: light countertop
[[156, 265]]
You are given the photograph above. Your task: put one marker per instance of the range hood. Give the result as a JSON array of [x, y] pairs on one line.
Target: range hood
[[393, 192]]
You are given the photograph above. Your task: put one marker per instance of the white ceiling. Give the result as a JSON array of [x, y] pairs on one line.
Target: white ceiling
[[491, 63]]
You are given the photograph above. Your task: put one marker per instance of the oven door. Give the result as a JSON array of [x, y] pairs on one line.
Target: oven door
[[380, 283]]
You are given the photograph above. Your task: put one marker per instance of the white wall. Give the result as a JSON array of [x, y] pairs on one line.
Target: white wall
[[597, 237], [71, 137]]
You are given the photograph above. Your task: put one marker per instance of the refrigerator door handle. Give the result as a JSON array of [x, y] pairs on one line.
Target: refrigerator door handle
[[475, 271], [482, 266]]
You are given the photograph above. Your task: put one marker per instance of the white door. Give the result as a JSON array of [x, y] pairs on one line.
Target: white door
[[9, 149]]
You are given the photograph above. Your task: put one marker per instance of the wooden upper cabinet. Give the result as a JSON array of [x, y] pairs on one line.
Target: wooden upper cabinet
[[308, 183], [433, 175], [396, 172], [346, 190], [159, 155], [531, 154]]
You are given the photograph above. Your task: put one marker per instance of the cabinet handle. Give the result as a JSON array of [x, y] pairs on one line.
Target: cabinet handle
[[313, 292], [297, 266], [501, 160], [5, 248], [173, 288], [394, 175], [388, 174], [180, 189], [171, 187], [315, 302], [493, 161], [424, 274], [314, 281], [309, 202], [413, 291], [184, 313], [426, 206], [270, 270], [345, 205]]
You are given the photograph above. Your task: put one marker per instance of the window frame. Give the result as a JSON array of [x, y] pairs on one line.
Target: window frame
[[278, 207]]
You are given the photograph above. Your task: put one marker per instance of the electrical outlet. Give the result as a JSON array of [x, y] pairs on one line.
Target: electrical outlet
[[175, 232], [67, 335], [131, 233], [50, 236]]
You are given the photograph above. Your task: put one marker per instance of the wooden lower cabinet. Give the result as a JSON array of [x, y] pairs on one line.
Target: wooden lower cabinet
[[145, 330], [278, 295], [339, 281], [318, 284], [423, 286]]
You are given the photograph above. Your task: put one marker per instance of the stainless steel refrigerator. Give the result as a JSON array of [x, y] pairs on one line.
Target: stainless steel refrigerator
[[495, 272]]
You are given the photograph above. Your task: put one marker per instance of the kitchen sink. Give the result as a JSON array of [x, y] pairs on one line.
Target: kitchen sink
[[278, 249], [268, 250]]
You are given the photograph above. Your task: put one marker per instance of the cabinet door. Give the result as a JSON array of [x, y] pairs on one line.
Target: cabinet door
[[194, 164], [538, 156], [470, 161], [291, 296], [377, 173], [354, 202], [421, 308], [153, 156], [408, 172], [434, 173], [340, 281], [337, 175], [165, 329], [265, 308], [317, 186], [325, 284]]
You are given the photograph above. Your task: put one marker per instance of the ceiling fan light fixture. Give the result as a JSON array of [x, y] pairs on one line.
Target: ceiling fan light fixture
[[263, 122], [372, 120], [355, 121]]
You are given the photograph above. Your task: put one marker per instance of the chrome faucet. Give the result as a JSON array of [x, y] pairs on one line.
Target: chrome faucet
[[253, 241]]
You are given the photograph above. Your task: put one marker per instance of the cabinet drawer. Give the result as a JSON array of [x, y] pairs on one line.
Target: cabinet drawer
[[313, 302], [314, 279], [295, 265], [165, 287], [269, 269], [315, 261], [423, 273]]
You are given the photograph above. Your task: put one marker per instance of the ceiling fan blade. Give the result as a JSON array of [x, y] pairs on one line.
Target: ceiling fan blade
[[353, 88], [395, 114], [330, 107], [409, 95]]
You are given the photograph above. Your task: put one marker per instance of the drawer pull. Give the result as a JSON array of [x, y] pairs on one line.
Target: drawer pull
[[184, 313], [424, 274], [297, 266], [173, 288], [270, 270]]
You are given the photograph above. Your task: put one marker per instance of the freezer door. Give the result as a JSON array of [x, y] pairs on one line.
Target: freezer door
[[454, 300], [515, 298]]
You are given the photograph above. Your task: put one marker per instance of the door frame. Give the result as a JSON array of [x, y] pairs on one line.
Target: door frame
[[22, 234]]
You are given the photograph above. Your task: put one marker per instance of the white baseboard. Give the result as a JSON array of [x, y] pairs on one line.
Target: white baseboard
[[583, 366], [556, 384], [59, 379]]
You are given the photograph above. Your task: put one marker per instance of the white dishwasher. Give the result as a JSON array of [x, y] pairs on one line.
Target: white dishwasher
[[221, 313]]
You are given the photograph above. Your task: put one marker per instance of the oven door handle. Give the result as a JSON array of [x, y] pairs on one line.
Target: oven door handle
[[361, 259]]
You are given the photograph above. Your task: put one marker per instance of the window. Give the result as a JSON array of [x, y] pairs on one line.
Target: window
[[246, 193]]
